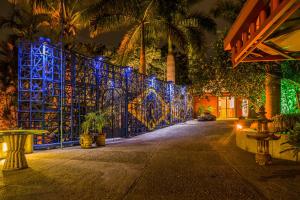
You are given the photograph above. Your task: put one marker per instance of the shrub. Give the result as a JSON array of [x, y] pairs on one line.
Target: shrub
[[285, 122]]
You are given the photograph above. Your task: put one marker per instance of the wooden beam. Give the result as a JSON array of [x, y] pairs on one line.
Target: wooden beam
[[257, 54], [276, 51], [268, 59], [245, 12], [282, 13]]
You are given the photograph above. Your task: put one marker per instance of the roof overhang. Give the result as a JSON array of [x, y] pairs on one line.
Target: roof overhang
[[265, 30]]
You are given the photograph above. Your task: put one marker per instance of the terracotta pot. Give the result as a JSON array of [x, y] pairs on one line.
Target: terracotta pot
[[100, 141], [86, 141]]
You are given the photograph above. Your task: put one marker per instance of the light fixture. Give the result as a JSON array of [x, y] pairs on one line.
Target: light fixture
[[238, 126], [4, 147]]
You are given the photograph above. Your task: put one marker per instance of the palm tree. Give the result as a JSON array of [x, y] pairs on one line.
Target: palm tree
[[112, 15], [66, 18], [22, 23], [182, 29]]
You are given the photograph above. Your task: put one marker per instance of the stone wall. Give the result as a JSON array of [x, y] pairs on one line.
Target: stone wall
[[276, 146]]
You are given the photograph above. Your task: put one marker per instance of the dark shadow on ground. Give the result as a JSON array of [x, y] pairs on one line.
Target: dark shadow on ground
[[282, 174]]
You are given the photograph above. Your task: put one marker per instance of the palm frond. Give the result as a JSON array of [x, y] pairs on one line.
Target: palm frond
[[165, 28], [105, 23], [129, 7], [195, 38], [199, 20], [129, 41], [7, 23], [227, 9]]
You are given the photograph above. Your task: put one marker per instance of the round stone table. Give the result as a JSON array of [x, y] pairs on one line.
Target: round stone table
[[15, 141]]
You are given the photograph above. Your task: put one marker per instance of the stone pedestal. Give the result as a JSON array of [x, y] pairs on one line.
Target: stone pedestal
[[263, 157], [263, 137], [16, 152]]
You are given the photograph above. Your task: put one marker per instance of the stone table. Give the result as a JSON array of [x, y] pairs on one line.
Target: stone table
[[15, 140]]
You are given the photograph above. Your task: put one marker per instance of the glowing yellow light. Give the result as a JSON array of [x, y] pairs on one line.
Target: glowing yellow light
[[4, 147], [238, 126]]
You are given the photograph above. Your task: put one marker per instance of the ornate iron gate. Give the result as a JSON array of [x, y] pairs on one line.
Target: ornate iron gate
[[58, 86]]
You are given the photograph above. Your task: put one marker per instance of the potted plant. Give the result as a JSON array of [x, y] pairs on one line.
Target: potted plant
[[86, 139], [100, 121], [93, 120]]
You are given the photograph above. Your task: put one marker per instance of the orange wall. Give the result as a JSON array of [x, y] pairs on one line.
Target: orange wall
[[212, 101], [206, 101]]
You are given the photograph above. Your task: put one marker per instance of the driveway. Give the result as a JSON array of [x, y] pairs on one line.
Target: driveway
[[193, 160]]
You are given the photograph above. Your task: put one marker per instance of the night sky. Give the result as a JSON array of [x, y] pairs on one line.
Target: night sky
[[112, 39]]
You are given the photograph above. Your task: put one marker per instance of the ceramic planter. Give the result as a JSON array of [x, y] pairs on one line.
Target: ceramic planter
[[86, 141], [100, 141]]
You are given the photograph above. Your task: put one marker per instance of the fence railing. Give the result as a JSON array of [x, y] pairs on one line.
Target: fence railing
[[57, 88]]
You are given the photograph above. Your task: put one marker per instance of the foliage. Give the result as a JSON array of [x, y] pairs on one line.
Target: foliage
[[289, 96], [23, 22], [156, 64], [290, 87], [202, 109], [293, 141], [182, 28], [148, 21], [94, 119], [112, 15], [227, 9], [215, 74], [291, 70], [285, 122], [182, 68], [65, 18]]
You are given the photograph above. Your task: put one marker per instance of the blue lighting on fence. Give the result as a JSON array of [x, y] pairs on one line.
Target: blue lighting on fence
[[152, 81], [128, 71], [111, 84], [57, 88], [183, 90], [45, 40], [98, 62], [171, 89]]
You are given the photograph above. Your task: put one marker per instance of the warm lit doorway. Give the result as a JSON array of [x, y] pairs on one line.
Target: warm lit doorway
[[226, 107]]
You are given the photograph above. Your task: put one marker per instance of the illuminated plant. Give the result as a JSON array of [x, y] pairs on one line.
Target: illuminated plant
[[293, 141], [94, 119]]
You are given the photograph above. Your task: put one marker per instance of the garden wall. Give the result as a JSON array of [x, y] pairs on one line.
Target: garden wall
[[250, 145]]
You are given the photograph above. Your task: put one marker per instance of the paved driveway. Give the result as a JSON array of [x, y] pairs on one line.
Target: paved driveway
[[194, 160]]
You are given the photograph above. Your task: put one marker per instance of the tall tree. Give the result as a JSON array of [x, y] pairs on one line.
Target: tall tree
[[21, 23], [66, 18], [182, 29], [115, 14]]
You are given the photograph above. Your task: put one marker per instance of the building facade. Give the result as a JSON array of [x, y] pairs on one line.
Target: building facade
[[223, 107]]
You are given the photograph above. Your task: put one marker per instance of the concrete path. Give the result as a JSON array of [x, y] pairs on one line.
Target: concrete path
[[194, 160]]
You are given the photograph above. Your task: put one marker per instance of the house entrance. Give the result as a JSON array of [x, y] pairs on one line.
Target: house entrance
[[226, 107]]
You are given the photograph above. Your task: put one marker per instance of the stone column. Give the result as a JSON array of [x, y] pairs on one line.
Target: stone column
[[273, 90]]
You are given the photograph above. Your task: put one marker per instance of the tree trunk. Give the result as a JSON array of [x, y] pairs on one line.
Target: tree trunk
[[142, 67], [170, 62], [273, 91]]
